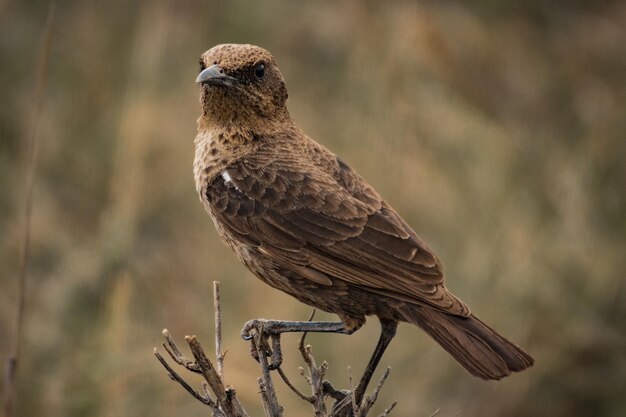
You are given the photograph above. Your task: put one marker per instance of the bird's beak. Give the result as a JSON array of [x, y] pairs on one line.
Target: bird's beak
[[214, 75]]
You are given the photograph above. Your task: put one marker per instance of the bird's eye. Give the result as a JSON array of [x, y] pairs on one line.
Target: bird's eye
[[259, 71]]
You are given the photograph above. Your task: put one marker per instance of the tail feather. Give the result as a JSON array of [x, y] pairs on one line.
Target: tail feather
[[476, 346]]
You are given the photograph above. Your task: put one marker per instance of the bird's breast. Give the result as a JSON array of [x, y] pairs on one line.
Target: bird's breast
[[212, 156], [216, 150], [206, 161]]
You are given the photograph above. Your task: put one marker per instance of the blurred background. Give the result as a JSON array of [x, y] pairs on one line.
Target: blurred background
[[498, 130]]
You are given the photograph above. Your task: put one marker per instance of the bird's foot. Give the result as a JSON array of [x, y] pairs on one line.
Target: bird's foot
[[342, 407], [261, 331], [257, 326]]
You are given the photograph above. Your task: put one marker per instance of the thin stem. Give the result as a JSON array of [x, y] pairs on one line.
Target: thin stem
[[172, 349], [437, 411], [31, 164], [217, 310], [176, 377], [392, 406], [270, 402], [293, 387]]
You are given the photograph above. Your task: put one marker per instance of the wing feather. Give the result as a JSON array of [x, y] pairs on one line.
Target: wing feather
[[330, 227]]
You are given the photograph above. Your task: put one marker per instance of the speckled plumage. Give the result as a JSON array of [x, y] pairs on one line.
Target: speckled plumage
[[307, 224]]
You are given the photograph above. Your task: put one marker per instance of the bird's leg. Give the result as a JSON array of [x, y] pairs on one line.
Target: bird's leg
[[343, 400], [388, 331], [274, 328]]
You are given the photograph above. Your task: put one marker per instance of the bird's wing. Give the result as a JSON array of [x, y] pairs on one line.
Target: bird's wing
[[332, 224]]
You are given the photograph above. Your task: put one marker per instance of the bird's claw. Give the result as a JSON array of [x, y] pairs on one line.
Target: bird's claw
[[251, 327], [262, 329]]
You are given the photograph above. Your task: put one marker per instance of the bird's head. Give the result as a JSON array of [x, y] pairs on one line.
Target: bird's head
[[241, 84]]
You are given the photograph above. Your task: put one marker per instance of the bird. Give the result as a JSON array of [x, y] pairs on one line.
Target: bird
[[306, 223]]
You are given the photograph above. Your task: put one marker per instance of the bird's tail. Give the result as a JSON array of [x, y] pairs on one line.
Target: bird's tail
[[476, 346]]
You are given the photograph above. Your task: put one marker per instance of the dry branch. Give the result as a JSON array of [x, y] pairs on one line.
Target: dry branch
[[225, 403], [217, 311], [29, 185], [222, 399]]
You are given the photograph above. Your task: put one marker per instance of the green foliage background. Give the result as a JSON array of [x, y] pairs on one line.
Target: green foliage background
[[497, 129]]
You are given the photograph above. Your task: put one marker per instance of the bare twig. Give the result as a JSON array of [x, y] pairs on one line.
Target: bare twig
[[311, 317], [317, 383], [380, 384], [368, 401], [268, 393], [174, 352], [388, 410], [226, 403], [315, 378], [301, 347], [264, 397], [292, 387], [31, 164], [355, 407], [346, 399], [437, 411], [210, 375], [204, 399], [217, 311]]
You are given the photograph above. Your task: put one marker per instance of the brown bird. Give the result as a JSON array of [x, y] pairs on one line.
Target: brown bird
[[307, 224]]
